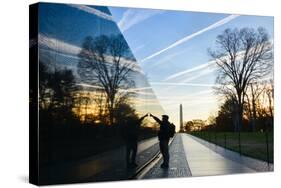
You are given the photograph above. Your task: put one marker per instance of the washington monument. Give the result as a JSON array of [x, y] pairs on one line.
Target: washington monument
[[181, 120]]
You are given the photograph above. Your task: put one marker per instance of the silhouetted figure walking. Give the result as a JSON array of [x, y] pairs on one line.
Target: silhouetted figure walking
[[166, 131], [131, 138]]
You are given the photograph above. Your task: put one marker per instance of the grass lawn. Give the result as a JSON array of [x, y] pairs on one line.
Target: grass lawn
[[253, 144]]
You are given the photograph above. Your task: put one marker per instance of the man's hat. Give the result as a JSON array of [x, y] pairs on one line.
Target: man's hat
[[165, 116]]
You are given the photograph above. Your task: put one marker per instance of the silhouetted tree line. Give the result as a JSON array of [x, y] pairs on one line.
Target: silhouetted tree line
[[258, 114]]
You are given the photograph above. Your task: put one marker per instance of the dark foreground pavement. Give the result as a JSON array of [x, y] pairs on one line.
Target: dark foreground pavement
[[108, 166], [189, 156]]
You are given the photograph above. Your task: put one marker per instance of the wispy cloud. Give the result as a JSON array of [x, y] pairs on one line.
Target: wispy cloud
[[89, 86], [57, 45], [71, 51], [138, 48], [181, 84], [189, 37], [197, 75], [168, 58], [145, 91], [138, 90], [132, 17], [203, 68], [206, 92], [92, 10]]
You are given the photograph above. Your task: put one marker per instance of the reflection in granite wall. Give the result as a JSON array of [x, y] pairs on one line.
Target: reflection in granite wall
[[93, 95]]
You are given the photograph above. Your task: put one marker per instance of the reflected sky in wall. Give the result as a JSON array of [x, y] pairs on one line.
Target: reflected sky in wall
[[62, 30]]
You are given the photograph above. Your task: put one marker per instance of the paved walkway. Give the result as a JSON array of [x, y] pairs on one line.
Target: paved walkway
[[178, 166], [255, 164], [192, 156], [204, 161]]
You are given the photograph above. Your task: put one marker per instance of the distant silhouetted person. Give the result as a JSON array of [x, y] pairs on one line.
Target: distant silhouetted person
[[131, 138], [166, 131]]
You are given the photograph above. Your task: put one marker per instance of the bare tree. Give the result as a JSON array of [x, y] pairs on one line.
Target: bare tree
[[269, 91], [242, 57], [86, 102], [255, 90], [106, 62], [228, 96], [101, 104]]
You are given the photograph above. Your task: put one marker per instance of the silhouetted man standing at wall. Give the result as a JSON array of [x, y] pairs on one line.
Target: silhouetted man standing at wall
[[131, 138], [164, 136]]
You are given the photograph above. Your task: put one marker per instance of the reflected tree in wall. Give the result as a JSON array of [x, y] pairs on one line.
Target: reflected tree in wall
[[106, 62]]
